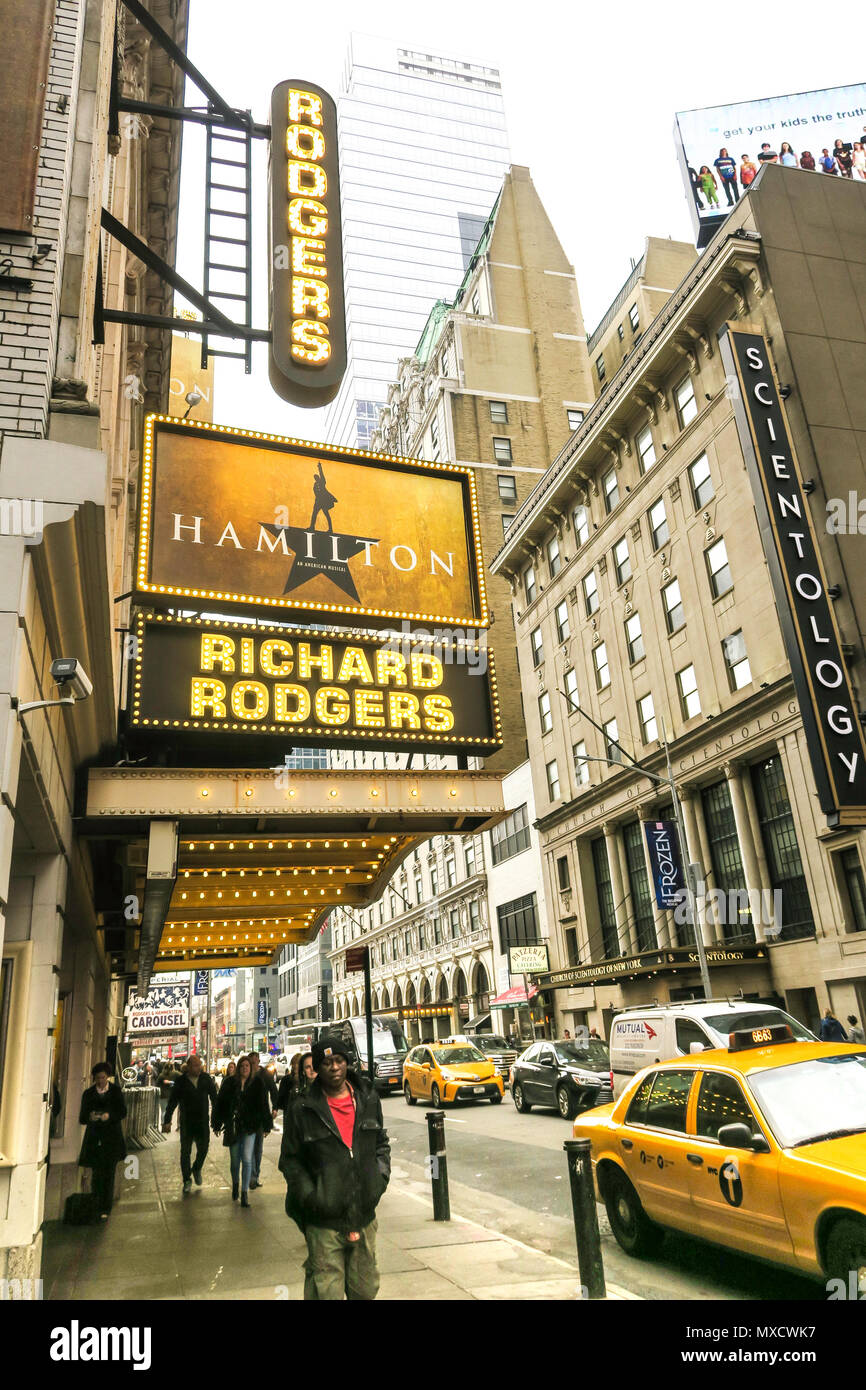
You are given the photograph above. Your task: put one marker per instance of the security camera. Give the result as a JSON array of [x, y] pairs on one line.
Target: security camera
[[70, 675]]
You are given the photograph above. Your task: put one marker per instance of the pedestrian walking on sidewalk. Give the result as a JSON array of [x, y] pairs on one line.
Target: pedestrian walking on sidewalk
[[336, 1161], [855, 1032], [103, 1111], [264, 1078], [194, 1096], [290, 1083], [229, 1071], [831, 1029], [167, 1079], [242, 1109]]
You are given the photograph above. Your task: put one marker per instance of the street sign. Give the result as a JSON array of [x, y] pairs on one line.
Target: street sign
[[356, 958], [262, 1012], [200, 985], [528, 960]]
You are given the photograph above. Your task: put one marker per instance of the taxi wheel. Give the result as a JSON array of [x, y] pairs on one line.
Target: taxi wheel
[[496, 1100], [407, 1092], [633, 1230], [519, 1099], [846, 1248], [435, 1097], [565, 1103]]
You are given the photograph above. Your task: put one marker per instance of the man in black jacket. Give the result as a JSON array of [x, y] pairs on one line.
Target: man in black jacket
[[270, 1087], [192, 1094], [336, 1160]]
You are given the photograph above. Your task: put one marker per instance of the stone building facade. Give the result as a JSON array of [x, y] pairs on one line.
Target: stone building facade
[[662, 616]]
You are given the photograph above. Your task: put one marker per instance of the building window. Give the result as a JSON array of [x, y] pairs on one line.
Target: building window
[[537, 643], [581, 525], [553, 780], [563, 877], [518, 923], [634, 639], [600, 367], [645, 450], [725, 854], [571, 691], [641, 893], [498, 412], [684, 395], [581, 766], [611, 736], [469, 858], [529, 586], [718, 569], [502, 450], [454, 923], [673, 605], [736, 660], [407, 943], [606, 906], [422, 937], [620, 331], [544, 713], [634, 318], [687, 684], [507, 487], [506, 524], [434, 880], [611, 490], [563, 626], [622, 561], [782, 851], [659, 529], [451, 871], [852, 874], [646, 713], [554, 559], [510, 836], [476, 302], [474, 916], [434, 438], [701, 481], [602, 669], [590, 594], [575, 419]]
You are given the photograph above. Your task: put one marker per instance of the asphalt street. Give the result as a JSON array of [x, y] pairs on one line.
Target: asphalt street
[[509, 1171]]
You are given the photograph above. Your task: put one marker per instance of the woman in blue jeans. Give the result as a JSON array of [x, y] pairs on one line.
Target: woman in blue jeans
[[242, 1108]]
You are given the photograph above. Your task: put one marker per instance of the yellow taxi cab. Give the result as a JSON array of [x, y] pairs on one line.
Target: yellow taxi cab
[[760, 1147], [446, 1072]]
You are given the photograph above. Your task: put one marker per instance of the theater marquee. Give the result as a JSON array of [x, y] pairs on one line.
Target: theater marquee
[[834, 734], [196, 677], [307, 359], [254, 520]]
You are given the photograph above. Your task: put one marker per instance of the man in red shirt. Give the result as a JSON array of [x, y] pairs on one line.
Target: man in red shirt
[[336, 1160]]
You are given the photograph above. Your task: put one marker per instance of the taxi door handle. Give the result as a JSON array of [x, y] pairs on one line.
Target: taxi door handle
[[696, 1159], [627, 1144]]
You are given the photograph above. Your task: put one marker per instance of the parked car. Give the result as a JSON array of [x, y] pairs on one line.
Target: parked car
[[494, 1046], [639, 1037], [445, 1072], [567, 1075]]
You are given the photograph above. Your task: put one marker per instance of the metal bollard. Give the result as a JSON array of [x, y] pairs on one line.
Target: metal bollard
[[438, 1165], [578, 1153]]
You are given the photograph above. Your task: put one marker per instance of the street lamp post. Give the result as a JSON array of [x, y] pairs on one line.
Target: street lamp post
[[668, 781]]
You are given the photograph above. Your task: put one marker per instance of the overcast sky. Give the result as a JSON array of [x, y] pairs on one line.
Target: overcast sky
[[590, 96]]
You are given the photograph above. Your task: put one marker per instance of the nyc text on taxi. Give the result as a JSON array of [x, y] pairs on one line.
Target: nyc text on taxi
[[760, 1147]]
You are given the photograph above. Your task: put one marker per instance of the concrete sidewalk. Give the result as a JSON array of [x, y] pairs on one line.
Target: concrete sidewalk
[[161, 1244]]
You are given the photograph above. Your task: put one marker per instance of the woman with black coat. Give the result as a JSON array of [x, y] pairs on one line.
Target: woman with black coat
[[103, 1111], [242, 1108]]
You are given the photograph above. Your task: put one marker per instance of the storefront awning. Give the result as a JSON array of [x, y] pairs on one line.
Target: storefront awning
[[476, 1023], [513, 997]]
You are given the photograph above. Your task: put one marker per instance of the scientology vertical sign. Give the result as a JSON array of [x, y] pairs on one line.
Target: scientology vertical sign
[[834, 734]]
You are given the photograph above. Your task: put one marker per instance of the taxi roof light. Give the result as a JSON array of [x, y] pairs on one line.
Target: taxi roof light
[[745, 1038]]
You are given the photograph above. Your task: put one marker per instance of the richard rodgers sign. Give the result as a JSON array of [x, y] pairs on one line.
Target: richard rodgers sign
[[197, 677], [255, 520], [834, 733]]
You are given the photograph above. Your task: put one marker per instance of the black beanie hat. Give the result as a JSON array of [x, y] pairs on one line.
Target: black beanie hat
[[327, 1044]]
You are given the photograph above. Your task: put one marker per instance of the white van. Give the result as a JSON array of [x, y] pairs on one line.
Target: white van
[[639, 1037]]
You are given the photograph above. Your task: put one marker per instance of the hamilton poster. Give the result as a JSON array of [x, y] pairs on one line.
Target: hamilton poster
[[256, 520]]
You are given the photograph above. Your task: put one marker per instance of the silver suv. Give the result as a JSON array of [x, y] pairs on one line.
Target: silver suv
[[494, 1046]]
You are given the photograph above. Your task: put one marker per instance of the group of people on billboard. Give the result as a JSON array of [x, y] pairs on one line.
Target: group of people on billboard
[[845, 158]]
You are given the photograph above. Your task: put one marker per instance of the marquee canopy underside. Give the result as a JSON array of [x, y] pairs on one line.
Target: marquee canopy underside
[[261, 857]]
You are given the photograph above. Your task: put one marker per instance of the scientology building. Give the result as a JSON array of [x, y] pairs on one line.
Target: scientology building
[[646, 589]]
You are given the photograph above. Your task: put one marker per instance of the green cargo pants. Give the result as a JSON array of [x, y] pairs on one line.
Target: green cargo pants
[[337, 1268]]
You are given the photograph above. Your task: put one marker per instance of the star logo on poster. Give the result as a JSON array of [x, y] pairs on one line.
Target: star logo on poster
[[321, 552]]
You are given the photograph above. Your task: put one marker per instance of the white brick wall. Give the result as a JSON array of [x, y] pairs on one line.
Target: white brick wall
[[28, 322]]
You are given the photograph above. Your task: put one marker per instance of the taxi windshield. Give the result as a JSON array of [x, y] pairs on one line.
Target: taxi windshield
[[806, 1102], [449, 1056], [592, 1053], [756, 1018]]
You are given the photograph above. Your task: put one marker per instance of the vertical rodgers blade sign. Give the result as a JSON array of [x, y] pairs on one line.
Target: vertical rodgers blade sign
[[307, 314], [834, 734]]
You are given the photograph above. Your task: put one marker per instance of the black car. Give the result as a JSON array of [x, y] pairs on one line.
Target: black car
[[566, 1076]]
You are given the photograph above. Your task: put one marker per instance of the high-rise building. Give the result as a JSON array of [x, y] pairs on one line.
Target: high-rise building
[[423, 149]]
